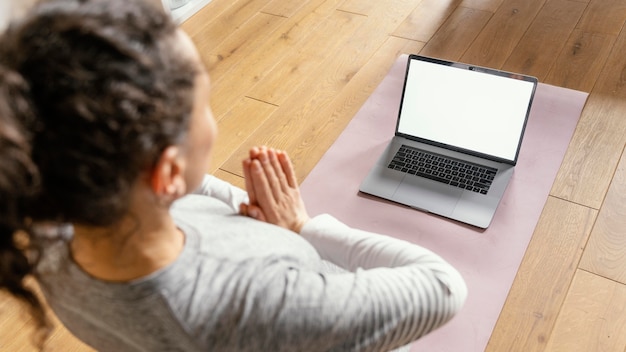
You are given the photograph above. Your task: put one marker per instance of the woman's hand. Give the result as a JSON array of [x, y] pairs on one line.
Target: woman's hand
[[273, 190]]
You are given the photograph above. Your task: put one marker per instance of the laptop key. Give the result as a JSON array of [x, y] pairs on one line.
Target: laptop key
[[443, 169], [433, 177]]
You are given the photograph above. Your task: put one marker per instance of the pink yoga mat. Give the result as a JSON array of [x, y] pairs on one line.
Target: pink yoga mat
[[487, 259]]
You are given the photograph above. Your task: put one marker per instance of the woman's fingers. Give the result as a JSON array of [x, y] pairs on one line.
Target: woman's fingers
[[288, 169], [278, 170], [273, 163], [248, 179], [267, 159], [265, 196]]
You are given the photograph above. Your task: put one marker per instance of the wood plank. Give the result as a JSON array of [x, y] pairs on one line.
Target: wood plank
[[233, 179], [612, 80], [500, 36], [541, 284], [605, 253], [424, 21], [198, 21], [238, 46], [456, 34], [283, 8], [364, 8], [581, 61], [290, 37], [604, 16], [593, 317], [484, 5], [17, 323], [215, 32], [236, 126], [545, 38], [594, 152], [292, 70]]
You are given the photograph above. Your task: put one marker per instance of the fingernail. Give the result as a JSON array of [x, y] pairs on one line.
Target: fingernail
[[253, 213]]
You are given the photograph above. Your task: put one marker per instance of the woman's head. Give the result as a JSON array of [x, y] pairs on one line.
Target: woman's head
[[93, 94], [111, 90]]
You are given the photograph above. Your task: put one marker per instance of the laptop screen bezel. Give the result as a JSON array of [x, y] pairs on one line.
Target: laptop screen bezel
[[464, 66]]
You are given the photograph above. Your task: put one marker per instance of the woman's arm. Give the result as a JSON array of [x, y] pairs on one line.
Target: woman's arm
[[214, 187], [395, 293]]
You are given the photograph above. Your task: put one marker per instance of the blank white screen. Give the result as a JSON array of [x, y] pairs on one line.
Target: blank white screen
[[467, 109]]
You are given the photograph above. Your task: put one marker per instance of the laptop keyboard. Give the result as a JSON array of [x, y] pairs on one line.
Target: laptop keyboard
[[441, 168]]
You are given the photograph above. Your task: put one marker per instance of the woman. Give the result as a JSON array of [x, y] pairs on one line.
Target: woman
[[123, 135]]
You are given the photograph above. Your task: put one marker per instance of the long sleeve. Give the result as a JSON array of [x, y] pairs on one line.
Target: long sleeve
[[396, 293], [214, 187], [352, 248], [417, 289]]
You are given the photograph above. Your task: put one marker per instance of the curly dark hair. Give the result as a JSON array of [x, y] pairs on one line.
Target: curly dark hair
[[18, 184], [110, 92], [99, 90]]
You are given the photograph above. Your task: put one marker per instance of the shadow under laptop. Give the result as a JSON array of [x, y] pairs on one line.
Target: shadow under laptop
[[389, 203]]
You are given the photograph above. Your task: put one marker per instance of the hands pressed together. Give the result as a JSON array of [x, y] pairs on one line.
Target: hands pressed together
[[273, 190]]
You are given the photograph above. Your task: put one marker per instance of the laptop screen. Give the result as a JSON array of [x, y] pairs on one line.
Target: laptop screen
[[478, 110]]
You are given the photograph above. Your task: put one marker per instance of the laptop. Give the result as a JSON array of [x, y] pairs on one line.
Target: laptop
[[458, 136]]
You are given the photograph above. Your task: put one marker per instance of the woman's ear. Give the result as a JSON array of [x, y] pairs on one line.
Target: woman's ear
[[167, 180]]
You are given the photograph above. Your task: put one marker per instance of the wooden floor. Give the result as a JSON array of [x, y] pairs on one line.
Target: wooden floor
[[291, 74]]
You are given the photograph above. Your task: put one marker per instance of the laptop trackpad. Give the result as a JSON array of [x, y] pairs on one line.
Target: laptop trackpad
[[428, 195]]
